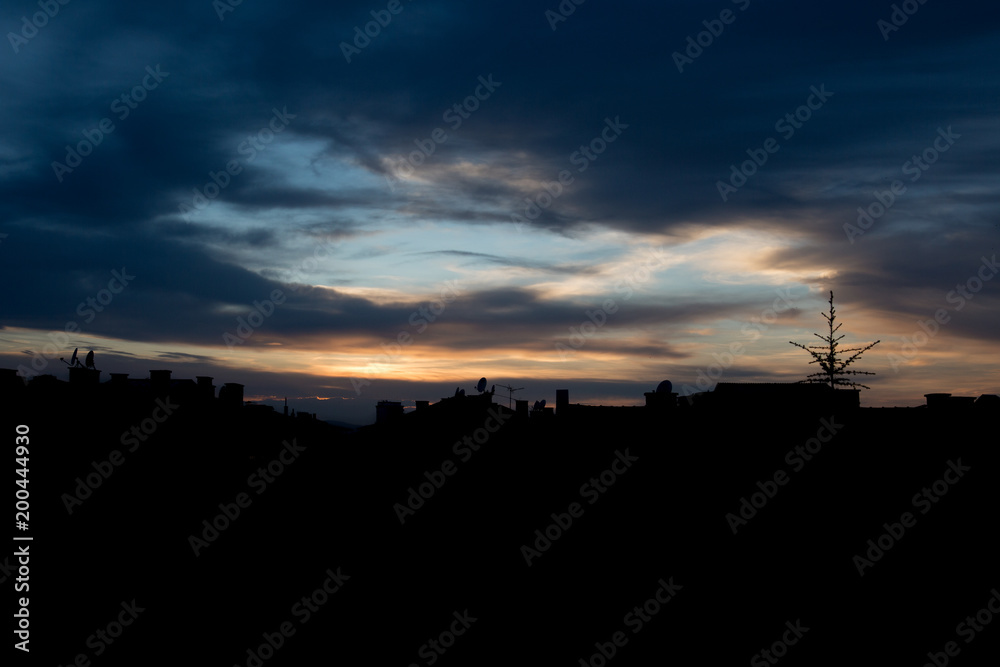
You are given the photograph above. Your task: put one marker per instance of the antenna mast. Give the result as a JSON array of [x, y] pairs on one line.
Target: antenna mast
[[510, 392]]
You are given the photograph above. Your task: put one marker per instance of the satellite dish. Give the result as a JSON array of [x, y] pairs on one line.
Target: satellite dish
[[73, 360], [665, 387], [541, 403], [481, 387]]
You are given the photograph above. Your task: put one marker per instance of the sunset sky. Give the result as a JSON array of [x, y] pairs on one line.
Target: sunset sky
[[576, 198]]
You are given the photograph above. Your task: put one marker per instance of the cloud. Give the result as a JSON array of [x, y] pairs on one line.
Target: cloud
[[330, 179]]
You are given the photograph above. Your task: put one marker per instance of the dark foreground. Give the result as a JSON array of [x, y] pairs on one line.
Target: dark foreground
[[554, 542]]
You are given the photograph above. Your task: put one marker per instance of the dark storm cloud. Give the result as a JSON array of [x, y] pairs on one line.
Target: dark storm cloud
[[180, 230], [177, 291], [685, 129], [558, 91]]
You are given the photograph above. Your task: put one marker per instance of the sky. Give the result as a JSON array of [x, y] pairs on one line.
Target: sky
[[349, 202]]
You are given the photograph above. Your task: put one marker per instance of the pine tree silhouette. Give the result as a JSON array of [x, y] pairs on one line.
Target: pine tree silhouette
[[830, 359]]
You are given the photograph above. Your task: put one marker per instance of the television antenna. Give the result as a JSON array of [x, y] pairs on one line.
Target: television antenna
[[510, 392]]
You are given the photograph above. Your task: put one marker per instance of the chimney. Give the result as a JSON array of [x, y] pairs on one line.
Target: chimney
[[206, 390], [562, 401], [937, 401]]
